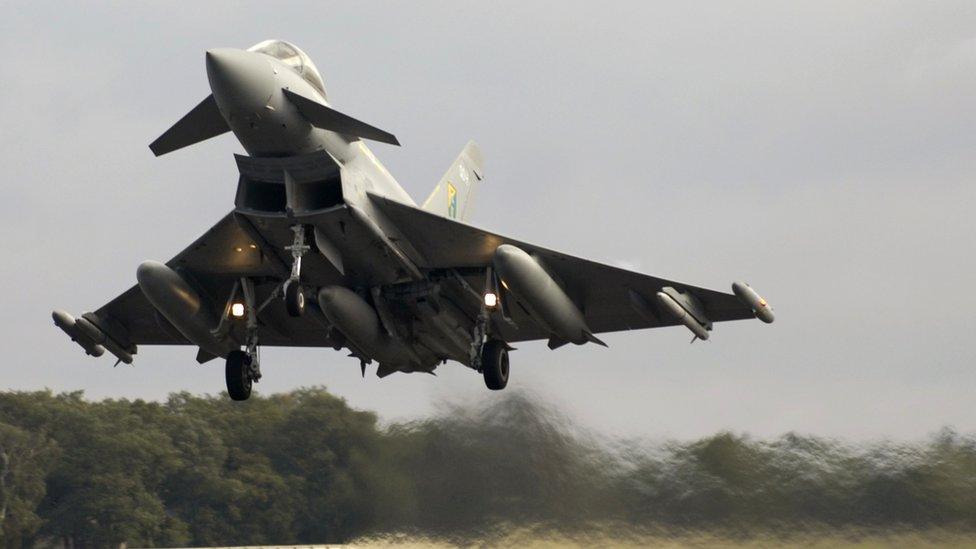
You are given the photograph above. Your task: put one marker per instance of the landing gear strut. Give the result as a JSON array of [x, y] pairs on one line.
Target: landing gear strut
[[294, 293], [488, 355], [243, 367]]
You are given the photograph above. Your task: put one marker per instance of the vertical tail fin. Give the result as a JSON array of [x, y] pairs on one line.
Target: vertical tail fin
[[454, 194]]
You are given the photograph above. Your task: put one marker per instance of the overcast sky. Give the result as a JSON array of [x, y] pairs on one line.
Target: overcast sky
[[824, 152]]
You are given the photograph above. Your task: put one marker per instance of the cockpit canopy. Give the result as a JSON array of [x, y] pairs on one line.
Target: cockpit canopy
[[292, 56]]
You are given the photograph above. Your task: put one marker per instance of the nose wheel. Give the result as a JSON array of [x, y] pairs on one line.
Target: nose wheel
[[294, 298]]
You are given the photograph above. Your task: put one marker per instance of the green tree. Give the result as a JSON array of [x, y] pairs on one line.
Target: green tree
[[25, 459]]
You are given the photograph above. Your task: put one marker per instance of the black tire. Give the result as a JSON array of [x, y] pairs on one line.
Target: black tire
[[294, 299], [238, 373], [494, 364]]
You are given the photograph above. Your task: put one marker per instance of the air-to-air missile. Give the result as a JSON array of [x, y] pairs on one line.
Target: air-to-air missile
[[685, 309]]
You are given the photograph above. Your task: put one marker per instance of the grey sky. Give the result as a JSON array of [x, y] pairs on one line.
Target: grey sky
[[824, 152]]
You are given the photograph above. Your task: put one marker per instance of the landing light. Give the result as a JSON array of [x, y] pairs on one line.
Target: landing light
[[491, 300], [237, 310]]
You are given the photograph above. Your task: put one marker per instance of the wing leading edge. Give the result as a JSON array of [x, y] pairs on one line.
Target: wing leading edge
[[612, 299], [231, 249]]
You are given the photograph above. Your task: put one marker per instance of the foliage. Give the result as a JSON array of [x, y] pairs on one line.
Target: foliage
[[304, 467]]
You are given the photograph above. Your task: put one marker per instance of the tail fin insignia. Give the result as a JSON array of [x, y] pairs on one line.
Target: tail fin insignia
[[452, 206], [454, 194]]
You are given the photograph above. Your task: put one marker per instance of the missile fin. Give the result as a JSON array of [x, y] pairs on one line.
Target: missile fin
[[556, 342], [593, 339], [204, 356]]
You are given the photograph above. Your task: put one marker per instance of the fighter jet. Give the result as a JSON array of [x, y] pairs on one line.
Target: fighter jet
[[324, 249]]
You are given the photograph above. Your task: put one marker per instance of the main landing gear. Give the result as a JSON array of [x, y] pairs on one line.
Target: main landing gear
[[294, 293], [494, 364], [239, 377], [243, 367], [488, 355]]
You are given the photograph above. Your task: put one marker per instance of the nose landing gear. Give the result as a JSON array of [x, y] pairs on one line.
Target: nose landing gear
[[294, 292]]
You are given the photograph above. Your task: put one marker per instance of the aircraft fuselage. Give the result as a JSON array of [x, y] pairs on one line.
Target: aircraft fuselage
[[248, 88]]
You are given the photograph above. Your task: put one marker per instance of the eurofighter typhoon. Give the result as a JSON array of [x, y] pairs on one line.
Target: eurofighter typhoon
[[324, 249]]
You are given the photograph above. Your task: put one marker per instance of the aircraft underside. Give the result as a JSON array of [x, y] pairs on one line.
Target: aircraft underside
[[325, 249]]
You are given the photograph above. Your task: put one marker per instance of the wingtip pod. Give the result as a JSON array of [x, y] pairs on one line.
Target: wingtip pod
[[755, 302], [69, 325], [86, 332]]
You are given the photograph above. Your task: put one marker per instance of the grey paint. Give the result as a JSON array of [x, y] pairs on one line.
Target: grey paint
[[176, 299], [355, 318], [200, 124], [542, 295], [69, 325], [683, 311], [324, 118], [454, 194], [759, 305], [93, 333]]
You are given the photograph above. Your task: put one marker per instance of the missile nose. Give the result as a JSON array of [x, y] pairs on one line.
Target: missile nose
[[242, 82]]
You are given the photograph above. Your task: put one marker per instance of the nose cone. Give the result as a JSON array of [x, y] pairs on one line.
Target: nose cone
[[241, 81]]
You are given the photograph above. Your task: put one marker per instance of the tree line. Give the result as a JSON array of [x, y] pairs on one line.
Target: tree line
[[304, 467]]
